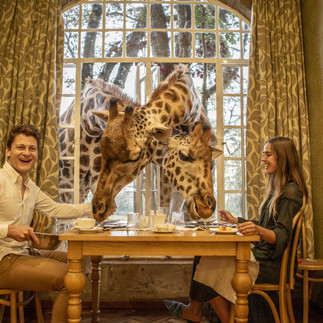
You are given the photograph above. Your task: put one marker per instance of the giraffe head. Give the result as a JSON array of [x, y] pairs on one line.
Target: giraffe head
[[128, 144], [188, 165]]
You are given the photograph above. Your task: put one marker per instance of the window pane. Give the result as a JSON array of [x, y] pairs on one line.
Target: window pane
[[233, 202], [183, 44], [71, 44], [228, 20], [136, 44], [91, 44], [230, 45], [160, 43], [71, 18], [114, 16], [66, 101], [182, 16], [246, 45], [69, 76], [233, 139], [205, 16], [136, 16], [232, 175], [231, 80], [92, 16], [160, 16], [113, 44], [245, 79], [232, 111], [205, 45]]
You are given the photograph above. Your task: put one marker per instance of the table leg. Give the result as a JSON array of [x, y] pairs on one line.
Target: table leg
[[74, 283], [242, 282], [96, 281]]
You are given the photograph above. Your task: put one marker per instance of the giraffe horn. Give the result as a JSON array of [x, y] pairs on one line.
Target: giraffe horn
[[128, 114], [113, 108]]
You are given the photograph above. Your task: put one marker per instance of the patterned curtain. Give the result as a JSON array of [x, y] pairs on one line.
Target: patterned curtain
[[276, 104], [31, 66]]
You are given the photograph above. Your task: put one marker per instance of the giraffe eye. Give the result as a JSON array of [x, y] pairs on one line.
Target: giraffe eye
[[184, 157]]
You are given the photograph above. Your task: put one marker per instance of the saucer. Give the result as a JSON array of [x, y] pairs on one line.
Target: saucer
[[164, 228], [228, 230], [92, 230]]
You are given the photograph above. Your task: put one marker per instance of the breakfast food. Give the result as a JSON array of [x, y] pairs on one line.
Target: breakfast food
[[224, 228]]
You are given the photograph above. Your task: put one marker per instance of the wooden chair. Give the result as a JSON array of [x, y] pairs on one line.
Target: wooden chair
[[284, 287], [305, 266], [16, 301]]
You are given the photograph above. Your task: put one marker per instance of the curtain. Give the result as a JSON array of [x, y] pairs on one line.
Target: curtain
[[31, 66], [276, 104]]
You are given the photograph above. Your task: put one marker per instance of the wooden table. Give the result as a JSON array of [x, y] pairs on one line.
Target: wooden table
[[147, 243]]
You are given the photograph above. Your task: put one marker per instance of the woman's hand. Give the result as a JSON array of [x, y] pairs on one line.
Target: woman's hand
[[249, 228], [22, 233], [226, 216]]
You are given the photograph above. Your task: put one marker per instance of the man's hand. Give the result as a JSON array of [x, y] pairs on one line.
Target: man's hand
[[22, 233]]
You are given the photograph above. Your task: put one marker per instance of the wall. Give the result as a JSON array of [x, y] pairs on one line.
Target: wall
[[312, 15]]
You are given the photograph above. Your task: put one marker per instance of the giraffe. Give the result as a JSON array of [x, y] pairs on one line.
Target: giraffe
[[132, 139], [95, 95]]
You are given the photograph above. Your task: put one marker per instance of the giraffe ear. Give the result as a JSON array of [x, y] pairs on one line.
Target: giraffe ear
[[104, 114], [160, 132], [216, 153]]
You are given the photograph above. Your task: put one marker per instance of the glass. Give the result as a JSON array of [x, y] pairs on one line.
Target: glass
[[91, 44], [71, 18], [133, 221], [69, 77], [136, 16], [183, 44], [71, 44], [182, 16], [231, 79], [160, 16], [113, 44], [92, 16], [246, 45], [233, 202], [232, 111], [160, 44], [205, 16], [114, 15], [228, 20], [205, 45], [232, 175], [233, 139], [230, 45], [136, 44]]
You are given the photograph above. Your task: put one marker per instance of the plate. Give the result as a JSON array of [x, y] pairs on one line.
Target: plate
[[164, 228], [232, 231], [93, 230]]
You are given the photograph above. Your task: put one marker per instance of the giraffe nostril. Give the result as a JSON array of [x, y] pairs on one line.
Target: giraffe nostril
[[210, 201]]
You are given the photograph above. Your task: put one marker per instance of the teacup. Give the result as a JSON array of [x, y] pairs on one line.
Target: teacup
[[84, 223]]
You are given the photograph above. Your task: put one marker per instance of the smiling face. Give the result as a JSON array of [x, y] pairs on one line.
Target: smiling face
[[269, 159], [22, 154]]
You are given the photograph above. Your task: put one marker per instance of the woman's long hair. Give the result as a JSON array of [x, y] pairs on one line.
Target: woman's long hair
[[288, 169]]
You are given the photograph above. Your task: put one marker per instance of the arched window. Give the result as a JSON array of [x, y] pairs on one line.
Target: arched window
[[134, 45]]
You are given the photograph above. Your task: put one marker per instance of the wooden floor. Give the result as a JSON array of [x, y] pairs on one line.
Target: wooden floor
[[152, 316]]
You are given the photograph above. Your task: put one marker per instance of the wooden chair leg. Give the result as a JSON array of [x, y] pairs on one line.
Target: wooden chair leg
[[305, 296], [290, 307], [13, 308], [21, 307], [232, 313], [2, 308], [39, 312]]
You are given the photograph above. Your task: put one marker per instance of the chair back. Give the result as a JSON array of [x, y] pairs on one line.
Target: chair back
[[288, 260]]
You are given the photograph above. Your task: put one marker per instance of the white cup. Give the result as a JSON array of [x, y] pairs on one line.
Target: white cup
[[144, 221], [158, 219], [84, 223]]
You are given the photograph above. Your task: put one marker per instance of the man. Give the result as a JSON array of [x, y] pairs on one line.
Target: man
[[20, 267]]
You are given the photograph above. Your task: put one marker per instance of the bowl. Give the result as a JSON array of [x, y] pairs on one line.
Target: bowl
[[46, 241]]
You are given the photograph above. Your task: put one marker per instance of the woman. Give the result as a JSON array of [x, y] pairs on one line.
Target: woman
[[285, 192]]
